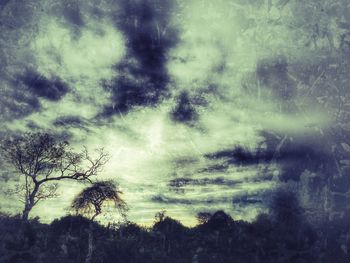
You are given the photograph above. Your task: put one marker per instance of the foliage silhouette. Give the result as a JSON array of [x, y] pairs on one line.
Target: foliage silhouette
[[91, 199], [269, 238]]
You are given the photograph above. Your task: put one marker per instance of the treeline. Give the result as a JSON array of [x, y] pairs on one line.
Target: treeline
[[276, 237]]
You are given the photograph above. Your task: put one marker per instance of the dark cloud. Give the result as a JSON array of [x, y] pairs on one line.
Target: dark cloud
[[53, 89], [261, 197], [16, 14], [247, 200], [293, 155], [184, 110], [297, 158], [241, 156], [143, 77], [258, 198], [64, 135], [171, 200], [32, 126], [71, 121], [183, 201], [20, 97], [16, 27], [215, 168], [16, 103], [181, 182], [72, 13]]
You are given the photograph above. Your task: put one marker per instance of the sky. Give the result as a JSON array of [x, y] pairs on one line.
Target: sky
[[182, 94]]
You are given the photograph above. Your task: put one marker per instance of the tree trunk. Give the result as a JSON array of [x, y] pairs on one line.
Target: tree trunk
[[26, 211], [90, 244], [30, 202]]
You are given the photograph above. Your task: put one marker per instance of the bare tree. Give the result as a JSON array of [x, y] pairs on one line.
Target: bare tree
[[42, 161]]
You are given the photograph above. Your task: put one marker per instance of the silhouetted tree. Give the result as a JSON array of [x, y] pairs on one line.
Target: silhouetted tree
[[42, 161], [171, 233], [203, 217], [160, 216], [91, 200], [220, 220]]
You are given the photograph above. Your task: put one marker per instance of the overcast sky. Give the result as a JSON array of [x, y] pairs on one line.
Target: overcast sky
[[169, 88]]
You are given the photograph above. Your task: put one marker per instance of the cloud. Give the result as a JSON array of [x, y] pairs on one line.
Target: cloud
[[72, 13], [69, 121], [184, 110], [293, 156], [143, 76], [16, 103], [239, 156], [180, 182], [53, 89], [183, 201], [299, 153]]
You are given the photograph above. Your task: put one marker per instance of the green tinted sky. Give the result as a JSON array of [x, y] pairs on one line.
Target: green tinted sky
[[215, 59]]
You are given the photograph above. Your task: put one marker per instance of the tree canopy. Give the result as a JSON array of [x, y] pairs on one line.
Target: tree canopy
[[91, 199]]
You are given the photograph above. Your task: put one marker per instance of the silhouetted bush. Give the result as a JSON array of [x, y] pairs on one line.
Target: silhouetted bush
[[280, 236]]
